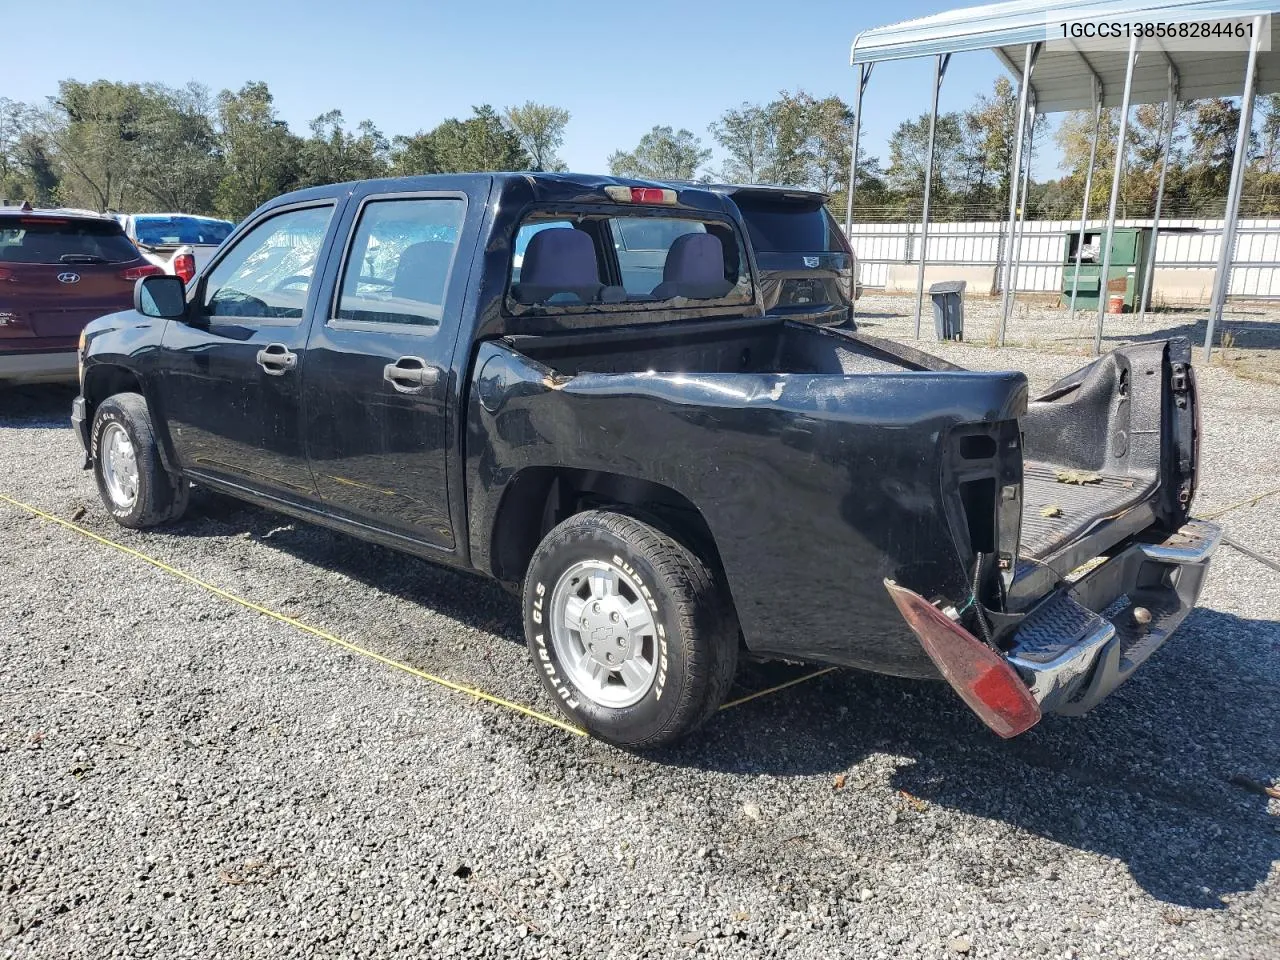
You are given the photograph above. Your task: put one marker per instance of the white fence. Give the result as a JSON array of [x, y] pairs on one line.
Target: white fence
[[1186, 256]]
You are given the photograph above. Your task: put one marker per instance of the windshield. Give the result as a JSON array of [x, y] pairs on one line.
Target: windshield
[[173, 231], [54, 240]]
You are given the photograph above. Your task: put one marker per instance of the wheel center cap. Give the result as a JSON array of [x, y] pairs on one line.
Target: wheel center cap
[[605, 633]]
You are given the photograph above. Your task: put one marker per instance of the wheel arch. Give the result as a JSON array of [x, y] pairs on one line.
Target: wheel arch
[[102, 380], [538, 498], [105, 379]]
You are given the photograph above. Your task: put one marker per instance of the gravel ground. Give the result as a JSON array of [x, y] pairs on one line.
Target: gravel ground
[[1247, 340], [182, 777]]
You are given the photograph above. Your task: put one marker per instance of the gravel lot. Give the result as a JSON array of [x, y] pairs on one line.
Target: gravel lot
[[1247, 342], [182, 777]]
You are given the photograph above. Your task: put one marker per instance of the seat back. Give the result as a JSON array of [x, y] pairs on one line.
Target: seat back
[[423, 272], [694, 268], [559, 266]]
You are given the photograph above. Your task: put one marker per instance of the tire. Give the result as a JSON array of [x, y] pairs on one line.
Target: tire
[[676, 624], [157, 495]]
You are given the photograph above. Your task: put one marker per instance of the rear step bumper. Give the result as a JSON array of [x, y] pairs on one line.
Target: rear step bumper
[[1087, 638]]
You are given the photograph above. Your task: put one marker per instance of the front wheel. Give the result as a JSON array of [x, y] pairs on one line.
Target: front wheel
[[628, 629], [134, 485]]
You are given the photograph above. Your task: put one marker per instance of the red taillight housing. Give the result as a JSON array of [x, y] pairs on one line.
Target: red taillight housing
[[184, 265], [137, 273], [985, 681], [6, 274], [622, 194]]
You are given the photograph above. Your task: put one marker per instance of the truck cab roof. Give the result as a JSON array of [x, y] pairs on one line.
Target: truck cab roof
[[535, 186]]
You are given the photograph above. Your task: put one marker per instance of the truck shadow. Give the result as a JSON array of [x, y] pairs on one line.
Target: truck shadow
[[1245, 334], [1144, 779]]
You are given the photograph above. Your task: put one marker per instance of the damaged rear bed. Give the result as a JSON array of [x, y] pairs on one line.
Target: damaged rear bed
[[820, 465]]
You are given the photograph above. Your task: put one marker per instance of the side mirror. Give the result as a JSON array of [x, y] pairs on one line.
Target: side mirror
[[162, 297]]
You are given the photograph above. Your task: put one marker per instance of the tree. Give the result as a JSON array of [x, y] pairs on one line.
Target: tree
[[662, 154], [540, 130], [1268, 110], [1213, 129], [831, 139], [414, 156], [94, 129], [261, 155], [333, 155], [793, 153], [179, 161], [989, 141], [908, 153], [746, 134], [794, 140], [1074, 136], [476, 144], [26, 170]]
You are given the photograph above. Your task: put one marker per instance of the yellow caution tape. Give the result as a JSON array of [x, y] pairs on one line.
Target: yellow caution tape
[[298, 624], [782, 686]]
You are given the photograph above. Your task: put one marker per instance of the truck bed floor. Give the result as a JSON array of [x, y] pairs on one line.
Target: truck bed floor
[[1080, 506]]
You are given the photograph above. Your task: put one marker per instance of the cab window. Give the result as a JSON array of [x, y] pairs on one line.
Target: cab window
[[400, 260], [638, 261], [643, 245], [268, 273]]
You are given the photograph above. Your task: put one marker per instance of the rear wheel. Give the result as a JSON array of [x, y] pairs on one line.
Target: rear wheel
[[134, 485], [628, 629]]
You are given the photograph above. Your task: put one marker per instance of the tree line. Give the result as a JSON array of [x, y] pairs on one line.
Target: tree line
[[127, 146]]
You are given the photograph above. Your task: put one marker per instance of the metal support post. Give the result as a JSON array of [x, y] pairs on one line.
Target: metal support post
[[1024, 92], [1222, 279], [1088, 189], [1116, 177], [1170, 117], [939, 71], [864, 74]]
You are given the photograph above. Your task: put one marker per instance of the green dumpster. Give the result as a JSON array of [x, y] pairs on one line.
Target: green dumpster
[[1126, 277]]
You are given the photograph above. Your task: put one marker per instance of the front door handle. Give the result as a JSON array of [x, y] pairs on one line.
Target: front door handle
[[410, 375], [276, 359]]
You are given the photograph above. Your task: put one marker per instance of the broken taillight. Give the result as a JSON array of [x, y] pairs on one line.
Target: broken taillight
[[982, 677]]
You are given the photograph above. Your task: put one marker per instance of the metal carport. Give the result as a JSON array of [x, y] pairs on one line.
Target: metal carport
[[1067, 76]]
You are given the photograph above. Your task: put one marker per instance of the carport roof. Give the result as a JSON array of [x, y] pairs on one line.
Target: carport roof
[[1063, 78]]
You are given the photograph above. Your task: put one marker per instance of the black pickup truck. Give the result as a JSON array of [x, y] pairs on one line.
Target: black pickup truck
[[575, 386]]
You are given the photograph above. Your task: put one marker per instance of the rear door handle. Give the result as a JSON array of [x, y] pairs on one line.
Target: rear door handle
[[410, 375], [276, 359]]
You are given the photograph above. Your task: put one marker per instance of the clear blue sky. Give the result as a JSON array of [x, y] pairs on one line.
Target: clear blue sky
[[618, 68]]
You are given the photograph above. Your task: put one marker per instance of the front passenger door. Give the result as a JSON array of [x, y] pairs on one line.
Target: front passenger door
[[232, 372]]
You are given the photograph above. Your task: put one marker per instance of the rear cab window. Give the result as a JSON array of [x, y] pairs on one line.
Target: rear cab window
[[603, 259], [42, 239]]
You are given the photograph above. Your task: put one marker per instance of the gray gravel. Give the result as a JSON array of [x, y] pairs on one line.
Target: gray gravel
[[185, 778], [1247, 339]]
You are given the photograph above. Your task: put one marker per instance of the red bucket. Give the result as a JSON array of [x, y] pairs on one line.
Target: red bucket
[[1115, 303]]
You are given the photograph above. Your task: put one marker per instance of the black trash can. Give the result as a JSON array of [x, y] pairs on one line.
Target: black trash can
[[948, 309]]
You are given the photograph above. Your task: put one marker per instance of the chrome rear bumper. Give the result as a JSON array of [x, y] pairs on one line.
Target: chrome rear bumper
[[1088, 637]]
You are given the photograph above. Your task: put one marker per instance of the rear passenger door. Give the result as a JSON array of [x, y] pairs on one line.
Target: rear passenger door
[[380, 394]]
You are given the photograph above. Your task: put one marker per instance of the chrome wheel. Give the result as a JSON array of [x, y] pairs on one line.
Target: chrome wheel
[[604, 633], [119, 466]]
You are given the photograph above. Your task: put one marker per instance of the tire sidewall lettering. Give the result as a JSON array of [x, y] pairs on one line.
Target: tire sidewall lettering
[[546, 662], [105, 417]]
